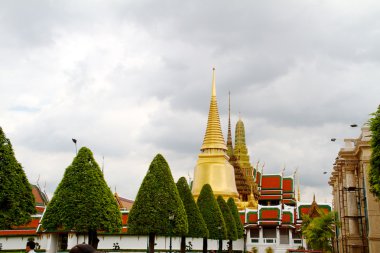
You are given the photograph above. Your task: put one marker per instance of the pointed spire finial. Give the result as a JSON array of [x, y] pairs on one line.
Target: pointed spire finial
[[230, 148], [213, 137], [213, 93]]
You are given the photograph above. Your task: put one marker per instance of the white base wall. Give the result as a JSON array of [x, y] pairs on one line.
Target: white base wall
[[19, 243], [49, 243]]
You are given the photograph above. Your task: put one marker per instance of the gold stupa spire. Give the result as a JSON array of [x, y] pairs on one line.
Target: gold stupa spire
[[213, 137], [212, 166]]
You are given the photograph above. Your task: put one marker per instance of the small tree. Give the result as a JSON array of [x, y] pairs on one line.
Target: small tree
[[156, 200], [374, 171], [83, 201], [16, 198], [229, 220], [319, 231], [212, 215], [197, 226], [235, 213]]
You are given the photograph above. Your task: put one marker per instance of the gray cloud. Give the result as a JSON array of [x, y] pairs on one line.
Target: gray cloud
[[131, 79]]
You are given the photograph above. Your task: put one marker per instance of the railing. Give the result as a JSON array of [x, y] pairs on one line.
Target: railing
[[269, 240], [265, 240], [254, 240]]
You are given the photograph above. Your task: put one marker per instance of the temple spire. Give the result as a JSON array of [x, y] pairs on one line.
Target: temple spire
[[230, 148], [213, 138], [213, 90]]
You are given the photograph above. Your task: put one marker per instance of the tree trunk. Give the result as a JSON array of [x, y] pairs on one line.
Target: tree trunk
[[204, 245], [183, 244], [151, 242], [93, 238], [230, 247]]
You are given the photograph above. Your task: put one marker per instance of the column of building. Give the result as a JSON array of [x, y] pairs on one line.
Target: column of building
[[351, 191]]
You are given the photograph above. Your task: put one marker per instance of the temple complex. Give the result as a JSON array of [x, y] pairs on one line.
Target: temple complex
[[268, 204], [269, 208]]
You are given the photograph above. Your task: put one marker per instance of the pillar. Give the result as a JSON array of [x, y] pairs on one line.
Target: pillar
[[52, 243], [261, 235], [277, 235], [290, 237], [352, 208]]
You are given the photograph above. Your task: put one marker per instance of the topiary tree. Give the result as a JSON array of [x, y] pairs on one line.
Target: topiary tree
[[16, 198], [83, 202], [374, 171], [229, 220], [197, 226], [212, 215], [235, 213], [157, 200]]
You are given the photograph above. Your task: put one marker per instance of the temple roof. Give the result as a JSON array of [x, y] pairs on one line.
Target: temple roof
[[123, 203]]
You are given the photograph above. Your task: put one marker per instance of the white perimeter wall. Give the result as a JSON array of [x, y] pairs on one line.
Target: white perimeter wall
[[49, 242], [11, 243]]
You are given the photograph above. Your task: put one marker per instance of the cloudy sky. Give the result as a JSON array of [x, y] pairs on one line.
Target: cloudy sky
[[130, 79]]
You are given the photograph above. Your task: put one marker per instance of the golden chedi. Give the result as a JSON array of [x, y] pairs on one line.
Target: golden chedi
[[212, 166]]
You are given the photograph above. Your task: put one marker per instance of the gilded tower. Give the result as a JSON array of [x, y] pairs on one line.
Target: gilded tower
[[212, 166], [241, 151], [242, 163]]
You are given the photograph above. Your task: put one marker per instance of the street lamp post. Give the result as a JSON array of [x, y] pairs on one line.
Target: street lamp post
[[75, 143], [171, 219], [220, 239], [245, 241]]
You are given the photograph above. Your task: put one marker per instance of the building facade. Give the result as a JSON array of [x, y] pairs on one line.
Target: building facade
[[358, 210]]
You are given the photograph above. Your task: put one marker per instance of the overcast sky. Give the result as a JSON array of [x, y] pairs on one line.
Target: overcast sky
[[130, 79]]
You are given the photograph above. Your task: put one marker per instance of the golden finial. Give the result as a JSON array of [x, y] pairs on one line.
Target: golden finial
[[257, 168], [213, 91]]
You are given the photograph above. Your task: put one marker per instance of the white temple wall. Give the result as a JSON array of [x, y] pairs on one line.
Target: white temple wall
[[16, 242]]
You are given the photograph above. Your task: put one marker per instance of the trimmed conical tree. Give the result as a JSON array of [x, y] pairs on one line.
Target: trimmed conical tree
[[16, 197], [197, 226], [83, 202], [229, 220], [158, 209], [374, 172], [235, 213], [211, 214]]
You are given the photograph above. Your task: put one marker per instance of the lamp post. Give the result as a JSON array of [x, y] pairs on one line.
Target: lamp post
[[245, 241], [171, 219], [75, 143], [220, 239]]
